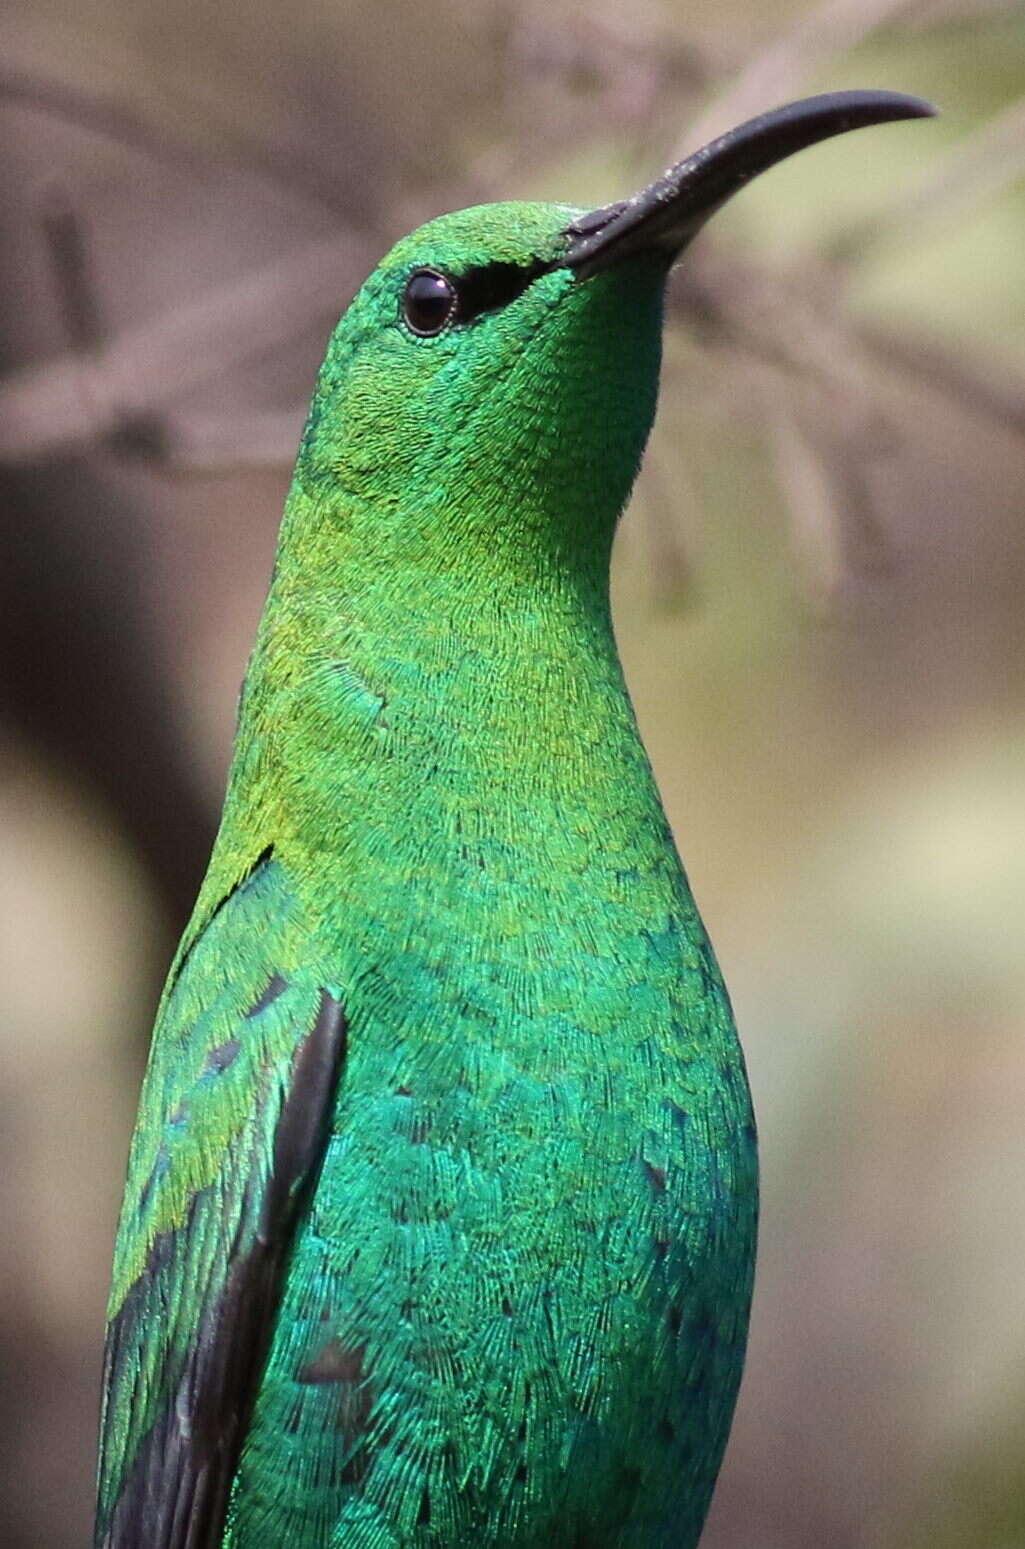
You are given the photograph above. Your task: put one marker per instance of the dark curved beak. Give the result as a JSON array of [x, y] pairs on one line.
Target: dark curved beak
[[666, 216]]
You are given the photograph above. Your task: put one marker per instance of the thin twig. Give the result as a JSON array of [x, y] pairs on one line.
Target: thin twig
[[205, 443], [44, 409], [786, 322], [808, 486], [65, 239], [992, 389], [175, 129], [671, 571], [776, 72]]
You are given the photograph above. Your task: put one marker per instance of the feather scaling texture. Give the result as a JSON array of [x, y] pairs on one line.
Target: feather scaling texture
[[499, 1296], [218, 1171]]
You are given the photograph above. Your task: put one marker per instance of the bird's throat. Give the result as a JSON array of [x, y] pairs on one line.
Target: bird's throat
[[474, 712]]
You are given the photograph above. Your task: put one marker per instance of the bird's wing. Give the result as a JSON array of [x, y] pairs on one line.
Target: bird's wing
[[233, 1122]]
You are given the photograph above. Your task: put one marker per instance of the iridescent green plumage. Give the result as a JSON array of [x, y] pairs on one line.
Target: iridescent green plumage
[[439, 1225]]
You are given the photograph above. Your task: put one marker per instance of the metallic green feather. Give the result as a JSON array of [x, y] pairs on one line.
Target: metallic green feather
[[514, 1307], [440, 1219]]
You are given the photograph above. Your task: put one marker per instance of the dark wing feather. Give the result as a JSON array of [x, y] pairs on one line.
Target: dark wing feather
[[234, 1118]]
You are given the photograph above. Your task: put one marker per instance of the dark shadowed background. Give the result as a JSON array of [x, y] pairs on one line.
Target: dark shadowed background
[[819, 598]]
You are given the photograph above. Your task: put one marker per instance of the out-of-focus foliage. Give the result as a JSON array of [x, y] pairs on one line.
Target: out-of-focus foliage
[[819, 598]]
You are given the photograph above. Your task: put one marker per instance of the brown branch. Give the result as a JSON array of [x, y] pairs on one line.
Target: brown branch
[[48, 408], [671, 571], [992, 389], [782, 320], [808, 486], [65, 239], [831, 417], [204, 443], [778, 319], [789, 321], [172, 128], [777, 71], [827, 482], [96, 111]]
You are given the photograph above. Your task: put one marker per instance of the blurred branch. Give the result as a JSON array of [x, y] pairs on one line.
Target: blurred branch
[[203, 443], [671, 573], [635, 55], [789, 321], [175, 128], [82, 678], [115, 117], [776, 72], [781, 320], [44, 409], [969, 173], [989, 388], [65, 239], [826, 484], [831, 421], [102, 390], [808, 485], [923, 14]]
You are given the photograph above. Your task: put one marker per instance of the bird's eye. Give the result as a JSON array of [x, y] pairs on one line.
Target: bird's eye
[[428, 302]]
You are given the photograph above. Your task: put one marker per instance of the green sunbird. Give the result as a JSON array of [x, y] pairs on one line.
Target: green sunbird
[[439, 1227]]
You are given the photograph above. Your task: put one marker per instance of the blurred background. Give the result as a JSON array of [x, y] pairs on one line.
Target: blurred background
[[819, 598]]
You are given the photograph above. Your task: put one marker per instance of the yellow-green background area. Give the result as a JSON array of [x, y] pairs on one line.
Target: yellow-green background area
[[818, 594]]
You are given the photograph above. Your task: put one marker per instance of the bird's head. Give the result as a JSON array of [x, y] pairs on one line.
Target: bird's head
[[494, 381]]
